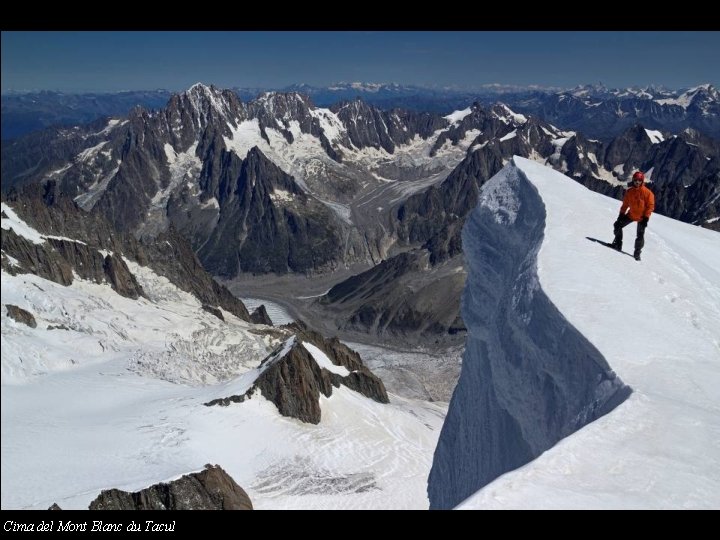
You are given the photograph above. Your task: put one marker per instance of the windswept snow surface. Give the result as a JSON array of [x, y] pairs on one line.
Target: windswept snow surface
[[457, 116], [108, 392], [324, 362], [657, 322], [655, 136]]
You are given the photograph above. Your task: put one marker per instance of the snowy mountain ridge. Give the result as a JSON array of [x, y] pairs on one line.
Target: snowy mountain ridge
[[104, 375], [104, 391], [654, 323]]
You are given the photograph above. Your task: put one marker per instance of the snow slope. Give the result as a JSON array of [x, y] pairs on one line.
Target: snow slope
[[108, 392], [657, 323]]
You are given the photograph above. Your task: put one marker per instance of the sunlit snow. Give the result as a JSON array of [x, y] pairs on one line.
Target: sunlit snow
[[108, 392], [656, 322], [655, 136]]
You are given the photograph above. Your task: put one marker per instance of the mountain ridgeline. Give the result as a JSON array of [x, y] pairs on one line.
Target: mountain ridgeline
[[529, 378], [277, 185], [596, 110], [56, 240]]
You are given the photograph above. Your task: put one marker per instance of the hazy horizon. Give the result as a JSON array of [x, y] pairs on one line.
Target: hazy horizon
[[108, 62]]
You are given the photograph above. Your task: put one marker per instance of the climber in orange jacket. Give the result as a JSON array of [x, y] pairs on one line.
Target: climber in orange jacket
[[640, 202]]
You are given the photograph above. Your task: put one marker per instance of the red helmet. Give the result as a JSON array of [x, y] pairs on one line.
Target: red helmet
[[638, 176]]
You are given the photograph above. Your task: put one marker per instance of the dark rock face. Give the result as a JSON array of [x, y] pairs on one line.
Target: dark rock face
[[277, 109], [294, 384], [293, 381], [54, 507], [698, 204], [21, 315], [426, 214], [268, 224], [51, 212], [683, 159], [210, 489], [260, 316], [172, 256], [400, 298], [34, 259], [629, 148], [120, 278], [446, 244], [528, 378], [57, 259], [169, 254], [368, 126], [215, 311]]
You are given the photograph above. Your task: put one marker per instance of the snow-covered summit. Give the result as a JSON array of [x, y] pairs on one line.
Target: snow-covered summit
[[507, 115], [696, 95], [201, 95], [653, 322], [363, 86]]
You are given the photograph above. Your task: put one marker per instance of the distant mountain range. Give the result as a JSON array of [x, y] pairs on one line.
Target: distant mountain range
[[26, 112], [601, 112], [278, 185], [596, 110]]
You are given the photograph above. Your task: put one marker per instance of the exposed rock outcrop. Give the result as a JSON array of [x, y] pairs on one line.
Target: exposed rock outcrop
[[268, 223], [209, 489], [171, 255], [21, 315], [260, 316], [75, 239], [215, 311], [57, 259], [293, 380], [368, 126], [402, 297]]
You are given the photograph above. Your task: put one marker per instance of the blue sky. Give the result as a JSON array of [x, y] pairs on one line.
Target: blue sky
[[112, 61]]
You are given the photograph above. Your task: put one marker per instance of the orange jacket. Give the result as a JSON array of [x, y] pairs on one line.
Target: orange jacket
[[640, 201]]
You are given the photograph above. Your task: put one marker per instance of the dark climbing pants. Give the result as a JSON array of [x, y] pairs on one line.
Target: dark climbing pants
[[624, 220]]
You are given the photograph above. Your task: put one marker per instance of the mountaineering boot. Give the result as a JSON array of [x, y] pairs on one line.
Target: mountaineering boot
[[637, 255], [616, 245]]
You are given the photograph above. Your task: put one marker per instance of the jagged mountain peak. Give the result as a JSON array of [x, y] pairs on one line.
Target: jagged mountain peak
[[203, 98], [282, 105], [283, 97], [706, 88], [357, 104], [201, 87], [507, 115]]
